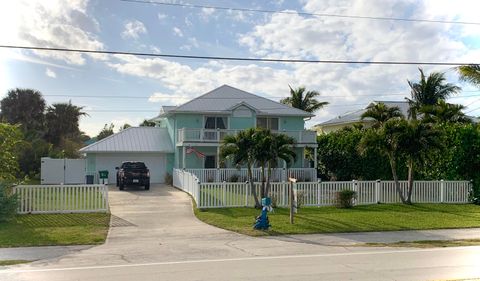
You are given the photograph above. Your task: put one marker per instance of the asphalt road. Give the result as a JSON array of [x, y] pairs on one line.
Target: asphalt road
[[367, 264]]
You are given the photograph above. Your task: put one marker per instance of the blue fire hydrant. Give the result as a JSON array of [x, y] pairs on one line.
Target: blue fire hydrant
[[261, 221]]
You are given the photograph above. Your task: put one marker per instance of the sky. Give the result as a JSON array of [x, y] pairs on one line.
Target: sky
[[127, 89]]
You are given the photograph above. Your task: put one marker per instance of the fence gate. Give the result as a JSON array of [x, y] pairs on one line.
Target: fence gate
[[66, 171]]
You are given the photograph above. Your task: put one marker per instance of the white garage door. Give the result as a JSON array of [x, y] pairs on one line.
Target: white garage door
[[155, 162]]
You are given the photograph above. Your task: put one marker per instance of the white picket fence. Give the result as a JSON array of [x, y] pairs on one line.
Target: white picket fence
[[278, 174], [234, 194], [49, 199]]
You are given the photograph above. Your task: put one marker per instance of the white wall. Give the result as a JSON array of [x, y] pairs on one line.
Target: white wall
[[155, 162]]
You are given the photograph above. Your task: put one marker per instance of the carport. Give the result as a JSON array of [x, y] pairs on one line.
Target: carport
[[151, 145]]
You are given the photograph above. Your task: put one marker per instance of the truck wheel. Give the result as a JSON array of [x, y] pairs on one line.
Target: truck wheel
[[147, 186]]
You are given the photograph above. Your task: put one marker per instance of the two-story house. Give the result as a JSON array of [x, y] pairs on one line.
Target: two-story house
[[189, 136]]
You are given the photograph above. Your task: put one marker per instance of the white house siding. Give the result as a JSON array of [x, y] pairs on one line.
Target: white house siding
[[155, 162]]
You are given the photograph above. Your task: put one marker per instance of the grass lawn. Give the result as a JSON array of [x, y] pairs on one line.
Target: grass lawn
[[12, 262], [55, 229], [428, 243], [380, 217]]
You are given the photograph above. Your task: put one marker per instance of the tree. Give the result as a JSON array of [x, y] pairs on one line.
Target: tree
[[470, 73], [444, 112], [124, 126], [429, 91], [105, 132], [304, 100], [25, 107], [10, 141], [62, 122], [239, 149], [381, 113], [147, 123]]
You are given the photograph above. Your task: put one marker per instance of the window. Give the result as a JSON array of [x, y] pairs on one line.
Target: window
[[267, 123], [213, 122], [210, 162]]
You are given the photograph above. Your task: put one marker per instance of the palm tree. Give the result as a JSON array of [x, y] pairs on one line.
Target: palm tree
[[470, 73], [304, 100], [62, 121], [381, 113], [428, 91], [240, 148], [444, 112], [281, 148]]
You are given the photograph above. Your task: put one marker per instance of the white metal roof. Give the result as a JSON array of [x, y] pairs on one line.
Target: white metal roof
[[224, 98], [134, 139]]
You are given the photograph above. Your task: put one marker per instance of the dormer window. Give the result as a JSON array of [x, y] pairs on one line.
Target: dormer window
[[268, 123]]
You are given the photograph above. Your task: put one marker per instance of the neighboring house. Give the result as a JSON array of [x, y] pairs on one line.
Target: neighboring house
[[355, 117], [189, 136]]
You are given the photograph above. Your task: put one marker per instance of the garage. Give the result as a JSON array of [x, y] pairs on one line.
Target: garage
[[150, 145]]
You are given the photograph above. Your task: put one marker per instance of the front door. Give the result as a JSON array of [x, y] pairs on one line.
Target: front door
[[210, 162]]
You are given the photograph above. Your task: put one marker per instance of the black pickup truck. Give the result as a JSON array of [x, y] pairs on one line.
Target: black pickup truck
[[133, 173]]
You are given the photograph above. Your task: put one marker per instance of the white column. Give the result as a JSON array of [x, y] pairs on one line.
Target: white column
[[315, 165], [183, 157], [218, 157]]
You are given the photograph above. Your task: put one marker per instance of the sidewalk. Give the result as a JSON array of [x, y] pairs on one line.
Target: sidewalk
[[39, 253], [356, 238]]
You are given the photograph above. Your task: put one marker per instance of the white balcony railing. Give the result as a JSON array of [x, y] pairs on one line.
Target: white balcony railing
[[216, 136]]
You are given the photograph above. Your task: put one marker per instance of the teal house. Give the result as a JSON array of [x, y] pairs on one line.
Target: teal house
[[189, 137]]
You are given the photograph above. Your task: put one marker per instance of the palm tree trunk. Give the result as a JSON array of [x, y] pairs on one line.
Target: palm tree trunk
[[410, 165], [252, 185], [393, 165]]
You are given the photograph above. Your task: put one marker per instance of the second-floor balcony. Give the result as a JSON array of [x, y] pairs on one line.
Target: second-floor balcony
[[187, 135]]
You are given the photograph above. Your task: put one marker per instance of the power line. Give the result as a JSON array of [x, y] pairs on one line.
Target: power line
[[234, 58], [298, 13]]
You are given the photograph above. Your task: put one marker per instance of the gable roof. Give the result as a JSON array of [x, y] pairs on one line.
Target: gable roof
[[134, 139], [224, 98], [356, 116]]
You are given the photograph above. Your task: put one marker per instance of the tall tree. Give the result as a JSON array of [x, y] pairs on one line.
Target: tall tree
[[124, 126], [470, 73], [62, 122], [105, 132], [240, 149], [302, 99], [25, 107], [429, 91], [381, 113], [10, 141], [444, 112], [281, 148], [147, 123]]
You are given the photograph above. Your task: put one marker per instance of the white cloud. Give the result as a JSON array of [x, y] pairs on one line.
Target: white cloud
[[171, 99], [55, 23], [162, 17], [177, 31], [208, 11], [50, 73], [133, 29]]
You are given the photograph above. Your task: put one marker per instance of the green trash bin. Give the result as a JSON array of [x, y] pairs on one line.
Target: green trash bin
[[103, 175]]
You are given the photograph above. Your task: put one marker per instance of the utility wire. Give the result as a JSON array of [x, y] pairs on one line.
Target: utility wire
[[297, 13], [234, 58]]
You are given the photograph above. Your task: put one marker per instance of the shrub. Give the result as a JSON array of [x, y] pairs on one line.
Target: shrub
[[8, 202], [345, 198], [300, 199], [234, 178], [168, 179]]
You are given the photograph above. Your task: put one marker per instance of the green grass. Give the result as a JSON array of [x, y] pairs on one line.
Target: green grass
[[428, 243], [12, 262], [54, 229], [381, 217]]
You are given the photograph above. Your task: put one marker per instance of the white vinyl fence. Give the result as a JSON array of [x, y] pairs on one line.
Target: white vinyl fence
[[240, 175], [238, 194], [44, 199]]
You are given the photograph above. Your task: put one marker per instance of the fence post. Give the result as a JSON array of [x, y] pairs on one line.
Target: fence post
[[319, 187], [355, 189], [224, 194], [377, 191], [246, 193], [442, 191], [217, 175], [284, 175], [197, 193]]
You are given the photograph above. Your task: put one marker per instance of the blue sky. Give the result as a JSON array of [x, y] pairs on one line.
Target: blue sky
[[116, 25]]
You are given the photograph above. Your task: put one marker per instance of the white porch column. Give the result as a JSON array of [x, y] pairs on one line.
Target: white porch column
[[218, 157], [183, 157], [315, 165]]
